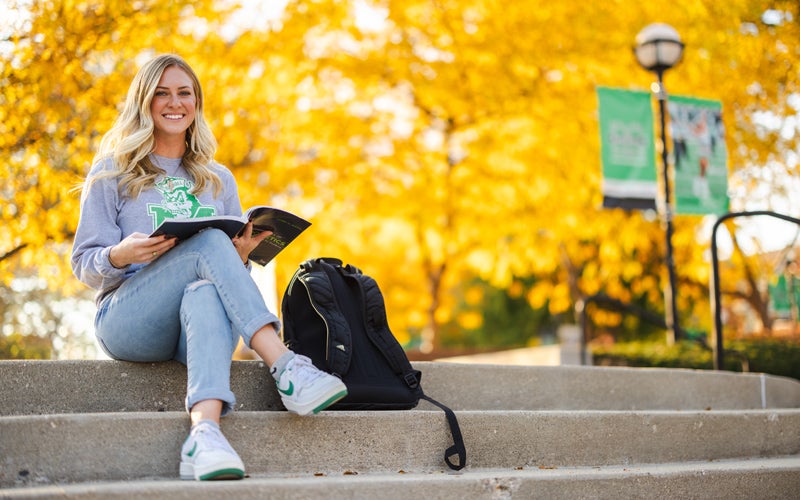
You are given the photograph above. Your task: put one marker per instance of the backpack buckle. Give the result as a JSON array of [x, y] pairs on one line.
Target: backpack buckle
[[411, 380]]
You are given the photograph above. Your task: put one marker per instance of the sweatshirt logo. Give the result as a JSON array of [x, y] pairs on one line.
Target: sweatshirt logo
[[177, 202]]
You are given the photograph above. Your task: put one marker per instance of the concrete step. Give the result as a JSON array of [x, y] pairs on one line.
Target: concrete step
[[762, 478], [105, 429], [47, 387], [72, 448]]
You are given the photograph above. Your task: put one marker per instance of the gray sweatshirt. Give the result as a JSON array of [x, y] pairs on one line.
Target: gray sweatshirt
[[107, 217]]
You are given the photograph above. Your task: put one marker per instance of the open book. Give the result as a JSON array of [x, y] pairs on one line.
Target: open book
[[285, 227]]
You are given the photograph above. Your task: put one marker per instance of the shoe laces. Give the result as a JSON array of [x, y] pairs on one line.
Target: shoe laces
[[303, 371], [210, 438]]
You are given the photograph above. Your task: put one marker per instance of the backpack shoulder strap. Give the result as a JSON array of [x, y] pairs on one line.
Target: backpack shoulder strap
[[378, 329], [321, 294], [380, 334]]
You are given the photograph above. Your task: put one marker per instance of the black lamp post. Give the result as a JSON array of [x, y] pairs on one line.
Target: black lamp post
[[658, 48]]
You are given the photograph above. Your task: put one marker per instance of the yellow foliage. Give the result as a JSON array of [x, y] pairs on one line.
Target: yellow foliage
[[442, 315], [608, 319], [516, 289], [560, 300], [470, 320], [437, 142], [539, 294], [473, 296]]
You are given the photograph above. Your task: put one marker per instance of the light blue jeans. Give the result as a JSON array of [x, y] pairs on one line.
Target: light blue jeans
[[191, 304]]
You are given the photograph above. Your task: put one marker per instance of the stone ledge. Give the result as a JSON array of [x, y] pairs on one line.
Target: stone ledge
[[776, 478], [48, 387]]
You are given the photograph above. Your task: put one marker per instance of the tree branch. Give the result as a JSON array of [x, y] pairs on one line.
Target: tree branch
[[13, 252]]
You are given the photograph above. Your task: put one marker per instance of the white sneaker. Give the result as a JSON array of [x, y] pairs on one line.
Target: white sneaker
[[206, 455], [305, 389]]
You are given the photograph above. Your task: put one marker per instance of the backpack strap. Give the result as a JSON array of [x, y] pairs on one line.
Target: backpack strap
[[458, 447], [380, 334], [378, 330]]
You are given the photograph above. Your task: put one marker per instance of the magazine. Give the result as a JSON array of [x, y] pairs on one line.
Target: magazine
[[285, 227]]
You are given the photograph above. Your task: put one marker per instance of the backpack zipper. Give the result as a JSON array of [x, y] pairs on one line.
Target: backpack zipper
[[314, 305]]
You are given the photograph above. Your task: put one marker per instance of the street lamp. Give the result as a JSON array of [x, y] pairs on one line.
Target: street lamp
[[658, 48]]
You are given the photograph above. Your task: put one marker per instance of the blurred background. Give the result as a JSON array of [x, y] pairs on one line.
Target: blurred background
[[451, 149]]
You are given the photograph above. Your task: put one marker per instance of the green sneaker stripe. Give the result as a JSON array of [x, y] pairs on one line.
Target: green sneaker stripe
[[336, 397], [194, 449], [218, 474]]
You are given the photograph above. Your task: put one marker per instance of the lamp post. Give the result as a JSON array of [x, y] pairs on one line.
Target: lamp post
[[658, 48]]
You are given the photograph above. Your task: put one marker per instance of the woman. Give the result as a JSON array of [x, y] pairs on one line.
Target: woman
[[159, 300]]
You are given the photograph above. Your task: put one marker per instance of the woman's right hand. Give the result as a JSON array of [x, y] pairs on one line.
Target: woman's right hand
[[139, 248]]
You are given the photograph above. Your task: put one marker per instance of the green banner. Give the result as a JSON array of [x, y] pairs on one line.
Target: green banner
[[784, 295], [699, 156], [627, 148]]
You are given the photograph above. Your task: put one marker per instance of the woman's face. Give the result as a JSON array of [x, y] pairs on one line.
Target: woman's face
[[173, 106]]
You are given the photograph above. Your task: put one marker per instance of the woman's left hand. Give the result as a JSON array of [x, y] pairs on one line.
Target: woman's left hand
[[246, 242]]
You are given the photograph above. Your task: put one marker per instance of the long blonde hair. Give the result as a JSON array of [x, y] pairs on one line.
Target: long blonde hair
[[130, 140]]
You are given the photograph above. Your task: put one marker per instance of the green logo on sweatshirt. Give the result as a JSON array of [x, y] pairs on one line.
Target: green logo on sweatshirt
[[178, 202]]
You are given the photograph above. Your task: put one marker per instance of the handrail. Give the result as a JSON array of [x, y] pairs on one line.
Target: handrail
[[716, 296]]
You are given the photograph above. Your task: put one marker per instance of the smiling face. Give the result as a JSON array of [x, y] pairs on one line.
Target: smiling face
[[173, 106]]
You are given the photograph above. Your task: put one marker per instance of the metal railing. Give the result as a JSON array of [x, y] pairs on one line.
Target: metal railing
[[719, 351]]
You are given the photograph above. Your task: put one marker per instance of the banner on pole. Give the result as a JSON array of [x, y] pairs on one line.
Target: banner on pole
[[627, 149], [699, 156], [784, 295]]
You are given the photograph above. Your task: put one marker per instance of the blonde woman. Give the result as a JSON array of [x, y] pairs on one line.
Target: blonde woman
[[158, 300]]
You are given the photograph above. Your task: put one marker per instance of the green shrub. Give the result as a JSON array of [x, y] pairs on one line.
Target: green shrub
[[763, 356], [777, 357]]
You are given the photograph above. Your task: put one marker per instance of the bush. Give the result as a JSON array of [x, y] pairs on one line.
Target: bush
[[17, 346], [775, 357]]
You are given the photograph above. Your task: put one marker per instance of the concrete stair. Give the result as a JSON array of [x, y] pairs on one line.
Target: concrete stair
[[107, 429]]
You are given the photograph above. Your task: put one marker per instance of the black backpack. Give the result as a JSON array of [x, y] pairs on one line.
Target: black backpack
[[335, 315]]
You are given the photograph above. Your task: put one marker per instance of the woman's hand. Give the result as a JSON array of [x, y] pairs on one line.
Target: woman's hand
[[139, 248], [246, 242]]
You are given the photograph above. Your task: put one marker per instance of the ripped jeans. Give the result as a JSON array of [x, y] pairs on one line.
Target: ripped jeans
[[191, 305]]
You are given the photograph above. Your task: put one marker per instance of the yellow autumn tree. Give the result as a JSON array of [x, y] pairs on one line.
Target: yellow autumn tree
[[430, 141], [490, 160], [65, 68]]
